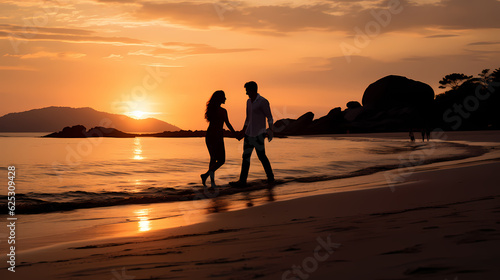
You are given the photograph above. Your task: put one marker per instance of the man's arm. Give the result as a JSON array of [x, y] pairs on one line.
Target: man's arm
[[267, 112]]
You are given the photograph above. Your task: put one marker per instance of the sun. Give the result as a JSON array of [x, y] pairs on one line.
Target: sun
[[137, 114]]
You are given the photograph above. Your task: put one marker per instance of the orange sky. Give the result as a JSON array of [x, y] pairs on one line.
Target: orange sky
[[167, 57]]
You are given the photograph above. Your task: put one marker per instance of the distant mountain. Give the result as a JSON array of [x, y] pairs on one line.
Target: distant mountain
[[55, 118]]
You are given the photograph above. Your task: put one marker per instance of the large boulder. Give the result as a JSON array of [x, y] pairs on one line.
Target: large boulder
[[354, 109], [401, 102], [294, 127], [353, 105], [393, 92], [331, 123], [79, 131], [351, 114]]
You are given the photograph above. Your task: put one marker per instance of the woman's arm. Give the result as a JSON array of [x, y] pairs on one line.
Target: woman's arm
[[228, 124]]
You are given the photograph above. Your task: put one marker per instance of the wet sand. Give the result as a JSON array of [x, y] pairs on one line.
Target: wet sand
[[440, 221]]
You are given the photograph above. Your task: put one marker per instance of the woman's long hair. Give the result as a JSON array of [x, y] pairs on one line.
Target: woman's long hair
[[214, 103]]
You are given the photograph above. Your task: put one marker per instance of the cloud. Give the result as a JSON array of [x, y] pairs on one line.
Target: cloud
[[277, 18], [449, 14], [45, 30], [261, 18], [22, 33], [280, 18], [190, 48], [484, 43], [483, 54], [51, 55], [114, 56], [441, 36], [117, 1], [179, 49], [71, 38], [326, 16], [163, 65]]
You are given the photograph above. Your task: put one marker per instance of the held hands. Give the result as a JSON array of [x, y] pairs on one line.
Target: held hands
[[239, 135]]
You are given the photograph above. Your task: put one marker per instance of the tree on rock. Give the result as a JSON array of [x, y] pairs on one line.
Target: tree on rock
[[454, 80]]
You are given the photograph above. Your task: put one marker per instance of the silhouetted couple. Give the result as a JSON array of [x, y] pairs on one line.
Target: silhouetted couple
[[254, 132]]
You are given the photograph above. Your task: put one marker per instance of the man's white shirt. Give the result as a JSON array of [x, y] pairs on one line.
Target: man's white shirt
[[257, 112]]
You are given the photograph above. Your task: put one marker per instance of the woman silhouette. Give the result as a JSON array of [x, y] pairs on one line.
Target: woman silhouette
[[216, 116]]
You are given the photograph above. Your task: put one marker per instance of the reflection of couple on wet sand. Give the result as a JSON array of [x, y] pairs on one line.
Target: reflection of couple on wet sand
[[253, 132]]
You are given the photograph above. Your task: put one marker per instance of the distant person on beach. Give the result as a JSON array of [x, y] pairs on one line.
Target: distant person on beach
[[425, 134], [254, 130], [217, 117]]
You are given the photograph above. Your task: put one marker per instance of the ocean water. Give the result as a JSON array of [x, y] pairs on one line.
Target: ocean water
[[55, 174]]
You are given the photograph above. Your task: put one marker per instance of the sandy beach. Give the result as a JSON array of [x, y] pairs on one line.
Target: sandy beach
[[442, 221], [292, 140]]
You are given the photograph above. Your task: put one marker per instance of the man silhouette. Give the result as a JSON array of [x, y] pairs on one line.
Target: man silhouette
[[258, 110]]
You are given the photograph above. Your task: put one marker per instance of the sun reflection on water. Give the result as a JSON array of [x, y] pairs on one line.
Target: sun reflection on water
[[144, 224], [137, 149]]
